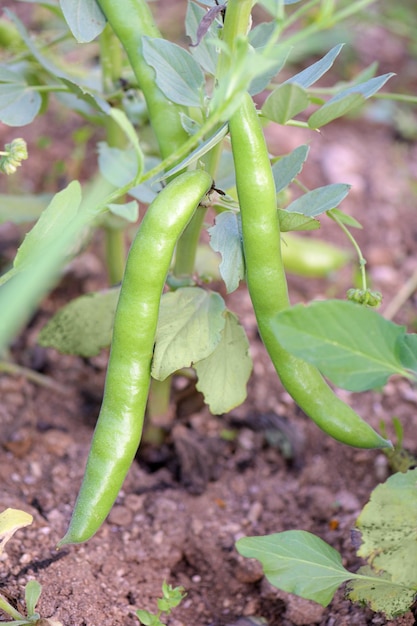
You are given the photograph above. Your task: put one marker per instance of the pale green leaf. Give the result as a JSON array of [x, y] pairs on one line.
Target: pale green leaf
[[84, 326], [344, 218], [189, 328], [60, 212], [12, 520], [389, 531], [407, 352], [320, 200], [129, 211], [84, 18], [204, 53], [352, 345], [178, 75], [118, 166], [312, 74], [377, 591], [296, 221], [225, 237], [33, 592], [285, 102], [332, 110], [19, 103], [222, 376], [298, 562], [199, 152], [365, 89], [288, 166]]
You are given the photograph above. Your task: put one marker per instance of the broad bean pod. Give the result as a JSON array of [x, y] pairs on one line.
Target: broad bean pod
[[267, 284], [119, 427]]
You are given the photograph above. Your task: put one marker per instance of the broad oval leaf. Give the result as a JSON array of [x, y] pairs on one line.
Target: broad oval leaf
[[222, 376], [117, 166], [298, 562], [388, 528], [19, 104], [225, 237], [189, 328], [84, 18], [178, 75], [319, 200], [84, 326], [285, 102], [352, 345]]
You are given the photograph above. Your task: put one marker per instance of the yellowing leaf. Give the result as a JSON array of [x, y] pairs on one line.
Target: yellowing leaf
[[10, 521]]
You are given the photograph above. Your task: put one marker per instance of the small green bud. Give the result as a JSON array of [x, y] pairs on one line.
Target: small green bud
[[366, 297], [13, 154]]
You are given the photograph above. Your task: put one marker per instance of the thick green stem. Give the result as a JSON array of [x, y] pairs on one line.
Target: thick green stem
[[112, 63], [131, 20], [237, 22]]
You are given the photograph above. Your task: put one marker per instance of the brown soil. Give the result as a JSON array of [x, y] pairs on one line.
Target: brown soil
[[174, 520]]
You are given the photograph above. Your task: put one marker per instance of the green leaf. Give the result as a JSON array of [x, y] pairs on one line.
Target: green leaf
[[407, 352], [223, 375], [320, 200], [332, 110], [296, 221], [12, 520], [189, 328], [285, 102], [84, 326], [205, 53], [277, 57], [348, 220], [129, 211], [118, 166], [389, 530], [19, 103], [379, 593], [41, 259], [33, 592], [225, 237], [365, 89], [199, 152], [346, 100], [312, 74], [178, 75], [21, 209], [62, 210], [298, 562], [84, 18], [288, 166], [352, 345]]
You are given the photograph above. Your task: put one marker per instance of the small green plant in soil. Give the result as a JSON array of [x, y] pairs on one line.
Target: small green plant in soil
[[12, 520], [171, 598], [302, 563]]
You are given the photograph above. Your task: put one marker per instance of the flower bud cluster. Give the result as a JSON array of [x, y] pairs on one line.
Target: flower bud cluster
[[13, 154]]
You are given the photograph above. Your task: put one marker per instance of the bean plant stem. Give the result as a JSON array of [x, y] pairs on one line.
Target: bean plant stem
[[35, 377], [362, 260], [112, 63]]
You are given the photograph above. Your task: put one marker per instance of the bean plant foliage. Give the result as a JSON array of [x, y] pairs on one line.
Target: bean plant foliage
[[205, 83]]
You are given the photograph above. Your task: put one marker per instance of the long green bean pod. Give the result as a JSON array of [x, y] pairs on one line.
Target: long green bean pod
[[267, 284], [119, 427]]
